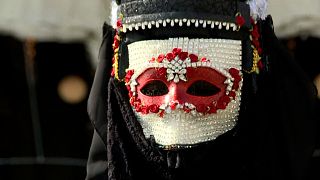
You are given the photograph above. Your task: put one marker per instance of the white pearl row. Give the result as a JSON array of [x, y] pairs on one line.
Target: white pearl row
[[180, 22]]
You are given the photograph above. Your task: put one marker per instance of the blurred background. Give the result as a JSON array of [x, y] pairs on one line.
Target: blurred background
[[49, 53]]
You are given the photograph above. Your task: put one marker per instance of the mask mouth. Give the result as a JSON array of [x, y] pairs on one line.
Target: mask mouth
[[179, 130]]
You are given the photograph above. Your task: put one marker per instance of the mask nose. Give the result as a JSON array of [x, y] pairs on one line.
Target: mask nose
[[175, 94]]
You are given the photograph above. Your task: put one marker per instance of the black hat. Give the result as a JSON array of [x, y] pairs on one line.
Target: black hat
[[212, 13], [231, 18]]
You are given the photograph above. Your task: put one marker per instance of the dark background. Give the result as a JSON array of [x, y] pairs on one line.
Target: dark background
[[42, 137], [305, 50]]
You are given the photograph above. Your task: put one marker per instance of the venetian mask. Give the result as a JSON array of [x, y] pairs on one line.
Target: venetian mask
[[185, 91]]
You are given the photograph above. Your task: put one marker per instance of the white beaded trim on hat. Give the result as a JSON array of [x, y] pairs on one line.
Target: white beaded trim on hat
[[180, 22]]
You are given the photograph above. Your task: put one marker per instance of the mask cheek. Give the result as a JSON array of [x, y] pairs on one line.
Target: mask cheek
[[206, 88], [152, 87], [150, 100], [202, 102]]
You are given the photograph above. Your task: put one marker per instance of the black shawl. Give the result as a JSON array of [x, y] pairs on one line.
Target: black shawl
[[274, 137]]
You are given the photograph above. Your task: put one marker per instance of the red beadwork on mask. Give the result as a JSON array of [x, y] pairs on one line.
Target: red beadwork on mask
[[180, 94], [178, 91]]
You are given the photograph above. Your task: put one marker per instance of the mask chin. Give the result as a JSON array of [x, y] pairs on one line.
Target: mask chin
[[178, 129]]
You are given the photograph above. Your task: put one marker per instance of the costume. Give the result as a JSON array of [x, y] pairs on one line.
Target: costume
[[198, 90]]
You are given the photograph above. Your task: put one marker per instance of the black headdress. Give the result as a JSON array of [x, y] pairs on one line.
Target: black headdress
[[274, 137]]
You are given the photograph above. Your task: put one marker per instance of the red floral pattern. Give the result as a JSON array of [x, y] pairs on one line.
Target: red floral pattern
[[193, 58], [161, 58], [183, 56], [255, 40], [115, 47], [170, 56], [240, 20], [176, 51], [129, 75], [154, 108]]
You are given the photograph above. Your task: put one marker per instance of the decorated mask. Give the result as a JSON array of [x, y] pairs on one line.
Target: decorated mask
[[185, 91]]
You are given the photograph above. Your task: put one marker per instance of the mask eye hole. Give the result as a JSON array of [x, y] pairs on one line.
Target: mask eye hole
[[203, 88], [155, 88]]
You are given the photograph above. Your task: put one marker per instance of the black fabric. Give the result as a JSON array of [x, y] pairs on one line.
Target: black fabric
[[138, 11], [42, 136], [97, 160], [273, 139], [138, 7], [97, 102]]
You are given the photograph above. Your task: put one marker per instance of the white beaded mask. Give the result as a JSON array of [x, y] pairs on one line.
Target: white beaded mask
[[185, 91]]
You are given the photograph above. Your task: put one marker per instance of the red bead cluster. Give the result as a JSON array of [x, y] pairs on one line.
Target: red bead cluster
[[240, 21], [144, 109], [115, 58], [115, 46], [256, 41], [175, 52]]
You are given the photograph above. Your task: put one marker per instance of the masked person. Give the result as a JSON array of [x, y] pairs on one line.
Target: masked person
[[190, 89]]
